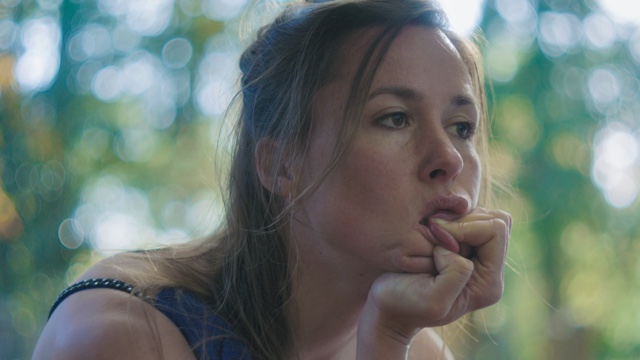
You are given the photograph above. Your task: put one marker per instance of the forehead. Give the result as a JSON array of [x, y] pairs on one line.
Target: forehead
[[416, 54]]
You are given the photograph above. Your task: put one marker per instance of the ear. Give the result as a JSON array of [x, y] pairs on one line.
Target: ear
[[273, 167]]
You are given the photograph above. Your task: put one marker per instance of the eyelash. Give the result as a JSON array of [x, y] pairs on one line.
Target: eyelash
[[390, 116], [470, 127]]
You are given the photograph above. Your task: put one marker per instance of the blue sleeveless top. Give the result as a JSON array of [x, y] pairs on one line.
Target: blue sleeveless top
[[209, 336]]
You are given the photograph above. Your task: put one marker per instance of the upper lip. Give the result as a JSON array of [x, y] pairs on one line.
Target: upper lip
[[447, 207]]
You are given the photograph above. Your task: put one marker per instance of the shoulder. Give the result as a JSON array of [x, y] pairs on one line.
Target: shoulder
[[109, 324], [428, 342]]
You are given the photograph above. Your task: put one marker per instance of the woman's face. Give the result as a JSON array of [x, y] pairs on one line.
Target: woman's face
[[412, 158]]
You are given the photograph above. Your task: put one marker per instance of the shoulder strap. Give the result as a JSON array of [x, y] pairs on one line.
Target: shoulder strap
[[99, 283]]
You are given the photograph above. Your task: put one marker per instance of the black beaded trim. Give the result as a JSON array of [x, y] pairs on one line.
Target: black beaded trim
[[91, 284]]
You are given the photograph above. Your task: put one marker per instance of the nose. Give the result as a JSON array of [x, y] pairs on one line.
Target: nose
[[441, 160]]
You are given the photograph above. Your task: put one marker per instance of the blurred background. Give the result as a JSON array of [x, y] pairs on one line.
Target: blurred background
[[111, 126]]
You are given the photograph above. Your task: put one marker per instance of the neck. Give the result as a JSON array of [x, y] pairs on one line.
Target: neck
[[327, 301]]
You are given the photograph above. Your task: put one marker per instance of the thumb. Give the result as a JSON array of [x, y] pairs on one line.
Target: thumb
[[454, 271]]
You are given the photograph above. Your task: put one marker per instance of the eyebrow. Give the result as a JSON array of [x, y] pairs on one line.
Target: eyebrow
[[401, 92], [463, 100], [410, 94]]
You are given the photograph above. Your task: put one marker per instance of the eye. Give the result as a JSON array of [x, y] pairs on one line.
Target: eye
[[395, 120], [464, 129]]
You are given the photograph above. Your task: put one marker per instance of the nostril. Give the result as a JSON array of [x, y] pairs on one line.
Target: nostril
[[434, 174]]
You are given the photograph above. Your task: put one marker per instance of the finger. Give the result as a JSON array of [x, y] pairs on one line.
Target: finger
[[505, 216], [478, 214], [489, 239], [443, 238], [475, 233], [454, 273], [484, 214], [451, 243]]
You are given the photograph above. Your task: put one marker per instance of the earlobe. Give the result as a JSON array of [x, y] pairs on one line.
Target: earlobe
[[272, 165]]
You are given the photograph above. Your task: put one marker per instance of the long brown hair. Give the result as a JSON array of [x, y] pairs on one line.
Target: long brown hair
[[245, 270]]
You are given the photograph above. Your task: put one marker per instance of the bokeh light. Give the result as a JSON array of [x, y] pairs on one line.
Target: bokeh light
[[70, 233], [8, 34], [502, 61], [145, 17], [599, 31], [616, 168], [622, 11], [222, 9], [560, 33], [515, 11], [176, 53], [603, 85], [218, 74], [464, 15], [38, 64]]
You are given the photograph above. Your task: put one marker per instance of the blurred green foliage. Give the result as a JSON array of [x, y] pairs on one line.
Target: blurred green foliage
[[110, 127]]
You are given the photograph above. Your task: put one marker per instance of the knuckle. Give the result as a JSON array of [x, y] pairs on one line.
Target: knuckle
[[500, 225], [461, 230], [490, 298], [438, 310], [463, 267], [497, 290], [494, 297], [505, 216]]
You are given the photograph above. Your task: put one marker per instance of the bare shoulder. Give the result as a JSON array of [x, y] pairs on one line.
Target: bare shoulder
[[109, 324], [428, 342]]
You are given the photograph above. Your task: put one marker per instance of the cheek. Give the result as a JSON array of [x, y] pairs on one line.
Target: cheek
[[474, 175], [365, 181], [374, 173], [318, 156]]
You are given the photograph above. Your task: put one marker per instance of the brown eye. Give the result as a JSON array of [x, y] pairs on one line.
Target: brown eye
[[396, 120]]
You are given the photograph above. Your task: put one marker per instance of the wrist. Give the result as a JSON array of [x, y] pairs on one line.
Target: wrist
[[382, 338]]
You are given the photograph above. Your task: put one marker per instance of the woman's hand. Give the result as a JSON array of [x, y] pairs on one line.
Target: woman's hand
[[400, 305]]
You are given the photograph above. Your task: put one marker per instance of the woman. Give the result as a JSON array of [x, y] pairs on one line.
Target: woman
[[352, 219]]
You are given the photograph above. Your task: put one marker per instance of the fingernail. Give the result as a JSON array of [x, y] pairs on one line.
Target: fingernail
[[445, 239], [442, 251], [439, 221]]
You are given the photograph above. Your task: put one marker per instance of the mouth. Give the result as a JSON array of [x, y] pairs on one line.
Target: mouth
[[446, 207]]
